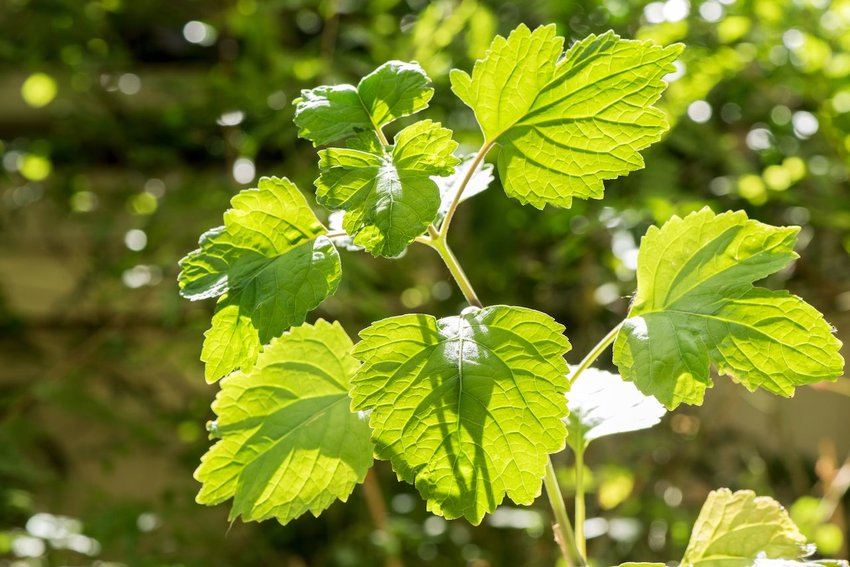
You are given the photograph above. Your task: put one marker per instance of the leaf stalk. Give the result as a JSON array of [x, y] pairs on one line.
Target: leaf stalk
[[596, 352], [563, 529]]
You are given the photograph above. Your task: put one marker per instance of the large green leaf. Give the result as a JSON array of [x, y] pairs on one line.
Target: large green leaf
[[736, 529], [467, 408], [329, 113], [696, 305], [389, 197], [567, 123], [602, 404], [289, 443], [271, 265]]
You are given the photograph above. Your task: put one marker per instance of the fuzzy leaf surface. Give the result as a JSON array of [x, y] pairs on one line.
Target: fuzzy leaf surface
[[289, 444], [389, 197], [602, 404], [565, 124], [329, 113], [270, 264], [735, 529], [696, 305], [467, 408]]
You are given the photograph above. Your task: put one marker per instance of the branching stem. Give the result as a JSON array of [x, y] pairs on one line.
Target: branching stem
[[436, 239], [476, 161], [595, 352], [563, 529]]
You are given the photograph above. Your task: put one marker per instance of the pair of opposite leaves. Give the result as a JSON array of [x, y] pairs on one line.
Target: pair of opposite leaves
[[469, 407]]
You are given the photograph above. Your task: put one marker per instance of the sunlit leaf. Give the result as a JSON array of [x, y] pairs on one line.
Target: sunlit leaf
[[737, 529], [567, 123], [329, 113], [601, 404], [289, 444], [271, 265], [389, 198], [467, 408], [696, 305]]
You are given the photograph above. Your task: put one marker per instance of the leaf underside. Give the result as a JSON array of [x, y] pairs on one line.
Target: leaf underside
[[270, 264], [696, 305], [566, 124], [602, 404], [289, 442], [467, 408]]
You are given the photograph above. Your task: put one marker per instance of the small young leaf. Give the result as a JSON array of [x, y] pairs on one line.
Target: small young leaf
[[271, 265], [565, 125], [329, 113], [389, 199], [289, 443], [737, 529], [695, 304], [467, 408], [601, 404], [480, 181]]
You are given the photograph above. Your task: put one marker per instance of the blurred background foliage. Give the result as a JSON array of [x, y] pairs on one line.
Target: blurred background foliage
[[125, 127]]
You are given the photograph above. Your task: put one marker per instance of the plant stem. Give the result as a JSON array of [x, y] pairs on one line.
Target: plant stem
[[442, 248], [581, 542], [563, 529], [437, 240], [381, 137], [595, 352], [444, 228]]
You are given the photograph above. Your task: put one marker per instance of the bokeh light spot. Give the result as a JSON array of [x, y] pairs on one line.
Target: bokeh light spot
[[38, 90]]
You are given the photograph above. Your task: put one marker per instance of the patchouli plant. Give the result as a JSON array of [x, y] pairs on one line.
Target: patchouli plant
[[469, 408]]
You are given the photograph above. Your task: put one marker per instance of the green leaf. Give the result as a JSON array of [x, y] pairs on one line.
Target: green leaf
[[467, 408], [567, 123], [696, 305], [289, 444], [329, 113], [271, 265], [602, 404], [736, 529], [633, 564], [389, 198]]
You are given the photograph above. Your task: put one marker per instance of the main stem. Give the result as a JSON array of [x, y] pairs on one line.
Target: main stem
[[563, 529], [581, 542], [437, 240], [442, 248]]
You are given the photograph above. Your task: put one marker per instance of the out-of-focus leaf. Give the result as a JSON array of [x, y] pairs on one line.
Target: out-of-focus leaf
[[601, 404], [735, 529]]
